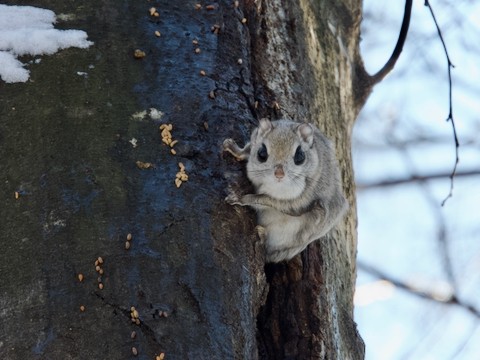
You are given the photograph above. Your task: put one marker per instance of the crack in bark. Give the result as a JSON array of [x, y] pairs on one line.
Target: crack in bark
[[146, 329]]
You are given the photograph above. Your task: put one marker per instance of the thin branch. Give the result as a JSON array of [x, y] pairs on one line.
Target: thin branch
[[450, 113], [441, 227], [465, 342], [428, 295], [415, 179], [398, 47], [442, 236], [415, 140]]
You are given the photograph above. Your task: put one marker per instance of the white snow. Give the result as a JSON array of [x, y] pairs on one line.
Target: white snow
[[11, 70], [26, 30], [156, 114]]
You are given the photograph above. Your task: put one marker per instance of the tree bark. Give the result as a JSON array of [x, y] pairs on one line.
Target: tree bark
[[194, 271], [306, 54]]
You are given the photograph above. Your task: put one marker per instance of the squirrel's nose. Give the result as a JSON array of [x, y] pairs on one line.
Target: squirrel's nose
[[279, 173]]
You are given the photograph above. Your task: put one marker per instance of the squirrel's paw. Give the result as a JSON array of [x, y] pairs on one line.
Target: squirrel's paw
[[262, 233], [233, 198], [228, 144]]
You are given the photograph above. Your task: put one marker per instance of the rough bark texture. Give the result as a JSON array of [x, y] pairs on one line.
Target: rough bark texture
[[64, 145], [305, 54]]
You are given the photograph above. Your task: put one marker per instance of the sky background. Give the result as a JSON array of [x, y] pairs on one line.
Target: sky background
[[403, 231]]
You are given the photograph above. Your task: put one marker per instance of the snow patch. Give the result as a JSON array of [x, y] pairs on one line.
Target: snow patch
[[153, 113], [11, 70], [156, 114], [139, 115], [26, 30]]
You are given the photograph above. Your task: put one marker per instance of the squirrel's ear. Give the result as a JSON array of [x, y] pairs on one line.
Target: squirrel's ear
[[264, 127], [305, 131]]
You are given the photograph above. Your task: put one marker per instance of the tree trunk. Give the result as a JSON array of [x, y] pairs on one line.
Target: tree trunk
[[194, 271]]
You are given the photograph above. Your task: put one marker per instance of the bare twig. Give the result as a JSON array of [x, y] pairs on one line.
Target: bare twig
[[450, 114], [442, 236], [441, 227], [398, 47], [465, 342], [414, 179], [428, 295]]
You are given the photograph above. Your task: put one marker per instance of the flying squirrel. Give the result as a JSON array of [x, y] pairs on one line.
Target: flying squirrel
[[298, 193]]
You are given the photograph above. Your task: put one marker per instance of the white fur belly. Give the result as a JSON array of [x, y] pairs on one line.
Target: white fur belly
[[281, 229]]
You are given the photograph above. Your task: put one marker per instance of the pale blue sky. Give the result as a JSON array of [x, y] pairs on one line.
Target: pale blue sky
[[399, 226]]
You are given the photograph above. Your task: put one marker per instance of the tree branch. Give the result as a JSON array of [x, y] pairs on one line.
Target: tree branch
[[450, 113], [451, 300], [398, 47], [414, 179], [442, 236]]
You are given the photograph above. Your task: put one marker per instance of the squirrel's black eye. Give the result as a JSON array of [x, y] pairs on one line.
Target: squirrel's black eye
[[299, 157], [262, 153]]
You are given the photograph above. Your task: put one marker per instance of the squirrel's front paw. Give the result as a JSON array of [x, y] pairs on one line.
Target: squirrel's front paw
[[233, 199], [228, 144]]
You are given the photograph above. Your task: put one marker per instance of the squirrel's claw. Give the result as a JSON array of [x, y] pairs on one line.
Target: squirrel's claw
[[233, 198], [229, 145]]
